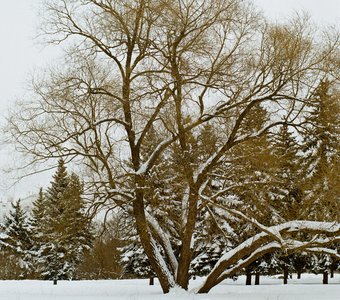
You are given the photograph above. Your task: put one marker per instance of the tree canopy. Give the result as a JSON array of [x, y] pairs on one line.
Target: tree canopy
[[154, 99]]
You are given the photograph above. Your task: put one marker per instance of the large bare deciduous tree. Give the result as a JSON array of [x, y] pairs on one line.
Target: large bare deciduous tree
[[142, 78]]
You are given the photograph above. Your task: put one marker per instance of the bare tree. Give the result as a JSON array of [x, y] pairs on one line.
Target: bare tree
[[172, 66]]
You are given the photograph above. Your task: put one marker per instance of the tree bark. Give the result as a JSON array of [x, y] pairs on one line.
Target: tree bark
[[298, 274], [325, 277], [332, 273], [257, 278], [151, 281], [186, 251], [145, 237], [285, 275], [248, 278]]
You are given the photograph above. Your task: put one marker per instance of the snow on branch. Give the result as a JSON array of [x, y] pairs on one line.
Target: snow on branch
[[119, 192], [311, 226], [166, 244], [146, 166], [243, 263], [268, 240], [162, 264], [211, 160], [328, 251], [275, 234]]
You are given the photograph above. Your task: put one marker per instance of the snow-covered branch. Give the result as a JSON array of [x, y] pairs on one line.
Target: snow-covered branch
[[268, 240], [165, 241]]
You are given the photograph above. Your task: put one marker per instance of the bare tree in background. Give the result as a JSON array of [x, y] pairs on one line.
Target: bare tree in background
[[137, 68]]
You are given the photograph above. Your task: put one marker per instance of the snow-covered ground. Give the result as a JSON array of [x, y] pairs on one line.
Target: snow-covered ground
[[307, 288]]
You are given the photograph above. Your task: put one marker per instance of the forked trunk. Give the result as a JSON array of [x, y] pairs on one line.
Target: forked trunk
[[163, 275], [183, 271], [186, 251]]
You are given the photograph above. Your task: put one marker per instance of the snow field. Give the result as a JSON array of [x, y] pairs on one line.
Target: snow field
[[271, 288]]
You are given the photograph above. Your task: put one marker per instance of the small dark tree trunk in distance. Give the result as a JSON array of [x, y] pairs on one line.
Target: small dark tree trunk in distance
[[248, 278], [151, 281], [298, 274], [332, 273], [257, 278], [55, 282], [285, 275], [325, 277]]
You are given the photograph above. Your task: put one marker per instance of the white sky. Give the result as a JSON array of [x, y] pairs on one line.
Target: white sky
[[322, 12], [20, 56]]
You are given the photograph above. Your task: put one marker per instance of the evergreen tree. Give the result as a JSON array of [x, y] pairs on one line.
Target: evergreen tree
[[17, 228], [321, 164], [38, 210], [37, 220], [287, 191], [266, 174], [245, 175], [78, 233], [62, 228], [213, 235], [322, 155], [17, 237], [135, 261]]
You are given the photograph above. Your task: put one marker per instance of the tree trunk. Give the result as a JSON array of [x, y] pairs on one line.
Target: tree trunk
[[186, 252], [325, 277], [248, 278], [183, 267], [151, 281], [257, 278], [332, 273], [285, 275], [146, 241], [299, 274]]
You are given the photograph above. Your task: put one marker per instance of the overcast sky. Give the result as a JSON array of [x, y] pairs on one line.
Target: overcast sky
[[20, 56]]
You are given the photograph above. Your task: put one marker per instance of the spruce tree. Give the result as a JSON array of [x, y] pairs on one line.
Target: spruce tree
[[17, 237], [17, 228], [213, 233], [321, 164], [63, 226], [78, 230], [322, 155], [38, 210], [135, 261], [245, 175], [287, 190], [37, 222]]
